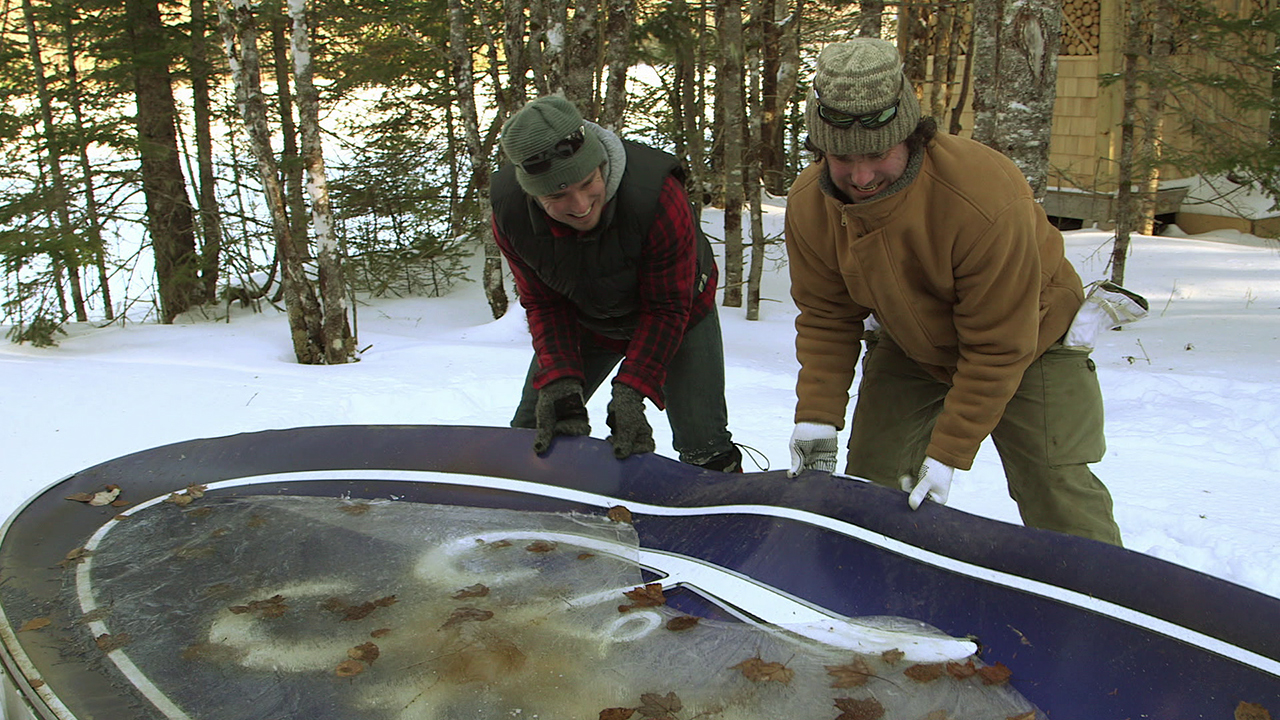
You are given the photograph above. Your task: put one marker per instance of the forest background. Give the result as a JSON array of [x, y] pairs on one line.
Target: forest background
[[162, 159]]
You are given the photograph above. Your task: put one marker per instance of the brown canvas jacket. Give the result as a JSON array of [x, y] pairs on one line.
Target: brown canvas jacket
[[961, 268]]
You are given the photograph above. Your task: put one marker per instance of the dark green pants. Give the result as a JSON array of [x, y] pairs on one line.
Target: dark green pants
[[694, 391], [1051, 430]]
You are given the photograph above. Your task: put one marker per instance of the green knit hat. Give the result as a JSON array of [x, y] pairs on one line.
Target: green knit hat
[[538, 129], [859, 78]]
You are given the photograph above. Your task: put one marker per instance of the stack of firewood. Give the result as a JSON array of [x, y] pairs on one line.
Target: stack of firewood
[[1080, 27]]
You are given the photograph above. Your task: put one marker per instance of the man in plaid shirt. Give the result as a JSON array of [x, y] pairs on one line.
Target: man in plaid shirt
[[610, 266]]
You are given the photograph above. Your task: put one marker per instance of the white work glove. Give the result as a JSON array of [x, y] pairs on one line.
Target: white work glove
[[932, 479], [1106, 306], [813, 447]]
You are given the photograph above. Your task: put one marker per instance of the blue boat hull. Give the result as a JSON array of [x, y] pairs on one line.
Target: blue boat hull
[[1090, 631]]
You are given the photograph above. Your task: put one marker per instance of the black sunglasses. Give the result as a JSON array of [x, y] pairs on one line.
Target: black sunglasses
[[568, 147], [844, 120]]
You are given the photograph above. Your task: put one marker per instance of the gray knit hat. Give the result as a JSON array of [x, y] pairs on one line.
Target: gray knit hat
[[535, 132], [860, 77]]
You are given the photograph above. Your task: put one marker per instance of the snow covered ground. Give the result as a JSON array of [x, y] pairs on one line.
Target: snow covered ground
[[1193, 392]]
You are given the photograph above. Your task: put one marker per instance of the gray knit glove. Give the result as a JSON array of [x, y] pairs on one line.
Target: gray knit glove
[[630, 432], [560, 411]]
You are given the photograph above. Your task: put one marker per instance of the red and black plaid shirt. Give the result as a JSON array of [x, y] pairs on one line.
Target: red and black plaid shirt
[[668, 304]]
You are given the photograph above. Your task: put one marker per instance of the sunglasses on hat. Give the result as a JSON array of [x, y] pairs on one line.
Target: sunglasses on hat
[[844, 120], [568, 147]]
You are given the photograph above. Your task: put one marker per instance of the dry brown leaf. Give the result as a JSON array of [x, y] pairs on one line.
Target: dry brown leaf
[[924, 673], [586, 556], [892, 656], [355, 612], [653, 705], [1028, 715], [107, 642], [683, 622], [617, 713], [499, 544], [180, 499], [477, 590], [36, 683], [961, 671], [540, 546], [757, 670], [996, 674], [365, 652], [380, 632], [618, 513], [467, 614], [1251, 711], [649, 595], [35, 624], [105, 497], [355, 508], [854, 674], [272, 607], [75, 556], [855, 709], [349, 668], [100, 498]]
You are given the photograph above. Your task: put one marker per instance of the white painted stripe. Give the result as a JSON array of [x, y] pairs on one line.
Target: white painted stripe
[[1034, 587]]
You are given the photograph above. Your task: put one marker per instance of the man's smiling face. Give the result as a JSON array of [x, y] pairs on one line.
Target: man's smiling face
[[579, 205]]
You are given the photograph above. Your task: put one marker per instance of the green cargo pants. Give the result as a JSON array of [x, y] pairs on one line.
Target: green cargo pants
[[1050, 432]]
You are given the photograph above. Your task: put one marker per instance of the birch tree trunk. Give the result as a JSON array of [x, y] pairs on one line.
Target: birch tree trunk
[[170, 218], [61, 196], [1015, 81], [1153, 117], [463, 74], [240, 38], [729, 82], [339, 345]]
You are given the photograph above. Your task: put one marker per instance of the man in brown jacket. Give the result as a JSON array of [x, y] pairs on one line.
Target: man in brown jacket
[[938, 241]]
